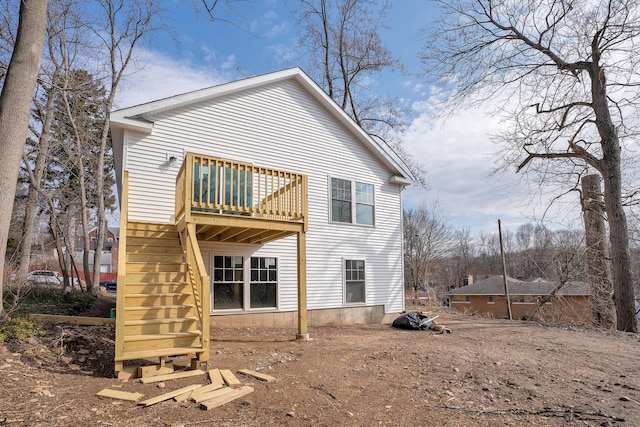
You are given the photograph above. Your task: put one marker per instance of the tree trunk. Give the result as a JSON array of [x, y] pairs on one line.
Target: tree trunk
[[35, 187], [15, 109], [620, 256], [610, 167], [598, 258]]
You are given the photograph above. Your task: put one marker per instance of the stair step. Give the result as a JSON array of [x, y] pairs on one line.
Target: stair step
[[159, 294], [150, 243], [167, 283], [177, 258], [150, 226], [173, 351], [159, 321], [159, 299], [156, 277], [160, 307], [161, 336], [153, 267], [155, 234]]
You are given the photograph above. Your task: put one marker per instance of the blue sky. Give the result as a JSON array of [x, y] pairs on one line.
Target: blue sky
[[458, 154]]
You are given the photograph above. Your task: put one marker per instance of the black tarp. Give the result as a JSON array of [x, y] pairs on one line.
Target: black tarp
[[412, 321]]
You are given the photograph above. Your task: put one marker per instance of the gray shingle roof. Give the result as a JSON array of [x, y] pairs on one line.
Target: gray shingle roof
[[494, 286]]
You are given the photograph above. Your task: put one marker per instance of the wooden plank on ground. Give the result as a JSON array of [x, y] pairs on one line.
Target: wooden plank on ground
[[185, 396], [229, 378], [76, 320], [258, 375], [155, 370], [169, 395], [212, 394], [128, 372], [221, 400], [215, 377], [122, 395], [202, 390], [174, 376]]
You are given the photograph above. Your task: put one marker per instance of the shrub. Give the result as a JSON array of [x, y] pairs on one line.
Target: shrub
[[18, 329], [47, 300]]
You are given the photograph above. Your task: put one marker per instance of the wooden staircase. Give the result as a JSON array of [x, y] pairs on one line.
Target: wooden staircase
[[157, 305]]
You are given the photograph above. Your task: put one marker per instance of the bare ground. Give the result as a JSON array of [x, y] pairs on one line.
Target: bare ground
[[485, 373]]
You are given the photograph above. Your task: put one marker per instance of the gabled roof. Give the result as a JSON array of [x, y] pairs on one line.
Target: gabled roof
[[495, 286], [137, 117]]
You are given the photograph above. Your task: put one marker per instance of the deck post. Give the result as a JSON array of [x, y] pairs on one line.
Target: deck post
[[303, 333]]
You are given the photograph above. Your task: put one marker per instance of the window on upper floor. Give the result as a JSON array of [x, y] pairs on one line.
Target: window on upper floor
[[352, 202]]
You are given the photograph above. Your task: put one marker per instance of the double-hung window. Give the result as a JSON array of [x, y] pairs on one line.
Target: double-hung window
[[228, 282], [354, 281], [352, 202], [264, 282], [235, 290]]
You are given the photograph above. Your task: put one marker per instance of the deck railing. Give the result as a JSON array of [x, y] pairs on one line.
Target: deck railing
[[216, 186]]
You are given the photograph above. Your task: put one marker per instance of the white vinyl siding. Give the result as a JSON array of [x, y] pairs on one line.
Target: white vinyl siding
[[280, 126]]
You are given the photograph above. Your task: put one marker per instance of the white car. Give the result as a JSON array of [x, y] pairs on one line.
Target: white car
[[44, 277]]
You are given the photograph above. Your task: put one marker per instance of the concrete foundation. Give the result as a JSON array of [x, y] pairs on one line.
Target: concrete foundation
[[325, 317]]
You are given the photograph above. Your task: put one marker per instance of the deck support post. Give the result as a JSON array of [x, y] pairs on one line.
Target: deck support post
[[303, 333]]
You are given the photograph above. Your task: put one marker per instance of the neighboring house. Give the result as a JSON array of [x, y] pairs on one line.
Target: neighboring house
[[571, 303], [284, 208], [108, 254]]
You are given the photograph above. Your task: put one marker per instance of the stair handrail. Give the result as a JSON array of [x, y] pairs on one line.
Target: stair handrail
[[199, 282]]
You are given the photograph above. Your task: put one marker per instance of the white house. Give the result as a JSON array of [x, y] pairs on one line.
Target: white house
[[285, 196]]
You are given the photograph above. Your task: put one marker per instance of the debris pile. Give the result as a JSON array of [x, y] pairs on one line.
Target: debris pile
[[222, 386], [419, 321]]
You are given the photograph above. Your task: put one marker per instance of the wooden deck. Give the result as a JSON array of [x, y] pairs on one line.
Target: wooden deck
[[163, 293]]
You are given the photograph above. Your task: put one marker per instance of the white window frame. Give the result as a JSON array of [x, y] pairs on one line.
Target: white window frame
[[354, 202], [212, 289], [246, 284], [250, 282], [345, 282]]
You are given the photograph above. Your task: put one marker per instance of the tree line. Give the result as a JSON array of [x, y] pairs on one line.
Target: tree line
[[561, 73], [439, 258]]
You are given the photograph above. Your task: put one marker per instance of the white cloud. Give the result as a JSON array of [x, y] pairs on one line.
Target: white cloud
[[460, 158], [161, 76]]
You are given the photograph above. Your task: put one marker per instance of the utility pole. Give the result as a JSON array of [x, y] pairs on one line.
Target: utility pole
[[504, 271]]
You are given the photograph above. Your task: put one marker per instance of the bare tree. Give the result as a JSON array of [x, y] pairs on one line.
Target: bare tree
[[15, 101], [568, 76], [61, 27], [463, 253], [427, 236], [533, 252], [120, 25], [567, 251], [341, 40]]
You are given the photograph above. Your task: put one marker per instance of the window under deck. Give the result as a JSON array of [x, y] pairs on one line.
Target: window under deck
[[237, 202]]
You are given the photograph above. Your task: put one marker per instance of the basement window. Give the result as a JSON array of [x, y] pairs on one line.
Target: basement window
[[228, 282], [263, 289], [237, 289], [354, 283]]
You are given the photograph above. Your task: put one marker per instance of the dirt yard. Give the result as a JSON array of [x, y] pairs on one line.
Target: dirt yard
[[485, 373]]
